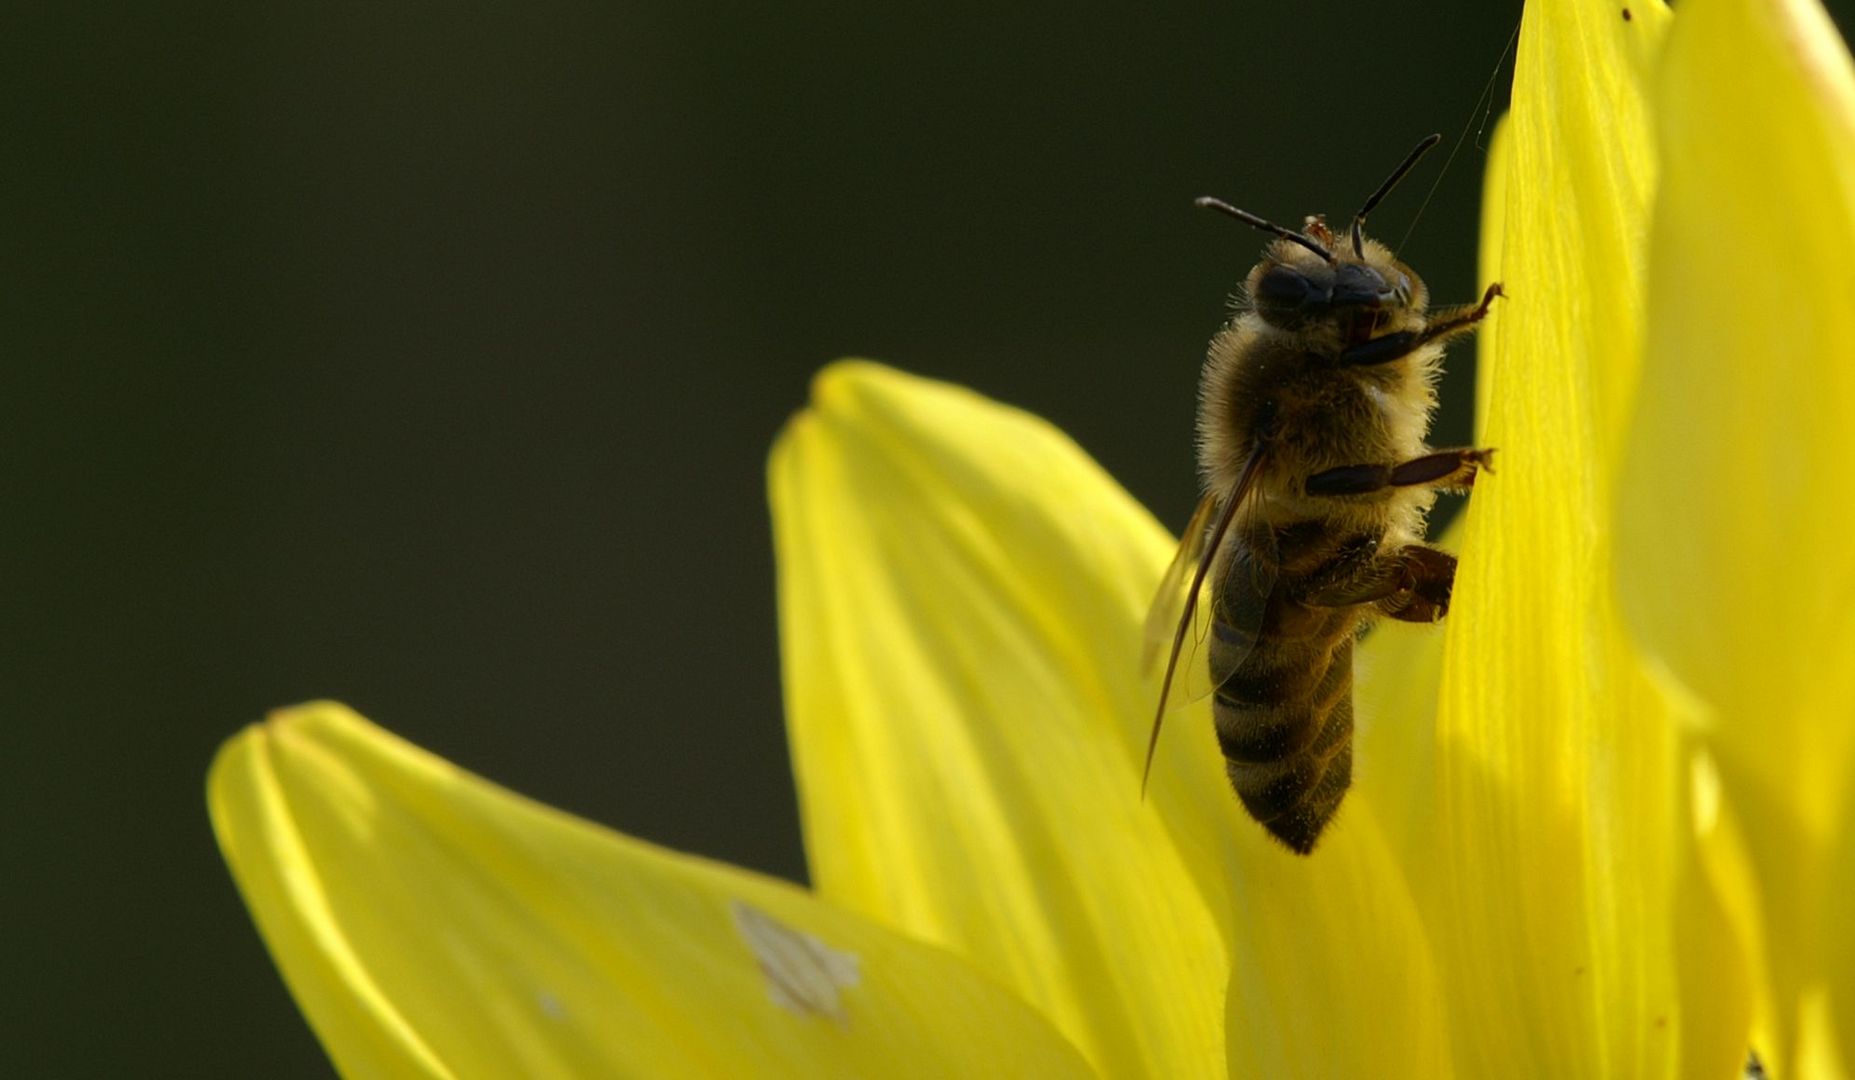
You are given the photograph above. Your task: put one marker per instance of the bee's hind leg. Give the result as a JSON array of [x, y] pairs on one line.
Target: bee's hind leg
[[1423, 594], [1412, 584]]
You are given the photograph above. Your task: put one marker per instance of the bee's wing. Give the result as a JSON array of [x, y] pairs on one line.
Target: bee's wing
[[1169, 602], [1183, 613]]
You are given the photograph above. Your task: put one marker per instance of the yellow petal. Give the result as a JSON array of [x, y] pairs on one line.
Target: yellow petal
[[1838, 955], [432, 924], [958, 659], [1562, 839], [962, 593], [1734, 557], [1735, 553], [1397, 674], [1333, 974]]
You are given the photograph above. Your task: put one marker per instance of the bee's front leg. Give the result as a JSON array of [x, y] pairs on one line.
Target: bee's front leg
[[1448, 469], [1396, 346]]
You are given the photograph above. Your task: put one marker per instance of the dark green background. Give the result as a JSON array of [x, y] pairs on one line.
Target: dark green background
[[427, 356]]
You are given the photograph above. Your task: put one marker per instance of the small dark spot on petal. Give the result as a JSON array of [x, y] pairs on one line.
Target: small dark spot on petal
[[1626, 15]]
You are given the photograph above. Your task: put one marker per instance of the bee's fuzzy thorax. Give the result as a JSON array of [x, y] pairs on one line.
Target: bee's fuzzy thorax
[[1324, 415]]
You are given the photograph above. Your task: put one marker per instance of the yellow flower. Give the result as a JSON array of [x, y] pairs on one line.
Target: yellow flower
[[1597, 828]]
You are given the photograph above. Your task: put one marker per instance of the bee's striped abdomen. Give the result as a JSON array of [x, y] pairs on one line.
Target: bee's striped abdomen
[[1284, 702], [1295, 792]]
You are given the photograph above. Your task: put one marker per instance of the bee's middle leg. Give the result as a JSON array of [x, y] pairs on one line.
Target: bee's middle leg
[[1448, 469], [1412, 583]]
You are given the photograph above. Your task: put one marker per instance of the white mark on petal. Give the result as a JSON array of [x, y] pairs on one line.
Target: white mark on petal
[[803, 974], [550, 1005]]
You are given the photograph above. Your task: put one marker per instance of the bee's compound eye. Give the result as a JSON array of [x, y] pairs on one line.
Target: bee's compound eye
[[1285, 287], [1357, 285]]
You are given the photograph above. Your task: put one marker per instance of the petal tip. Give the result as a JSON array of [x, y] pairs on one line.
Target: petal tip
[[833, 390], [278, 724], [841, 385], [317, 713], [847, 375], [226, 761]]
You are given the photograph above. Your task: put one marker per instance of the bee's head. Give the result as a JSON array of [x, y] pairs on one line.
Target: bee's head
[[1293, 287], [1308, 278]]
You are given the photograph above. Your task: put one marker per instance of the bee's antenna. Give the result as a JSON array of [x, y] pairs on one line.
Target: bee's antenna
[[1254, 222], [1384, 189]]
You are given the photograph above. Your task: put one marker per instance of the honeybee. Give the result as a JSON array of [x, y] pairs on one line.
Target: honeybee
[[1313, 407]]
